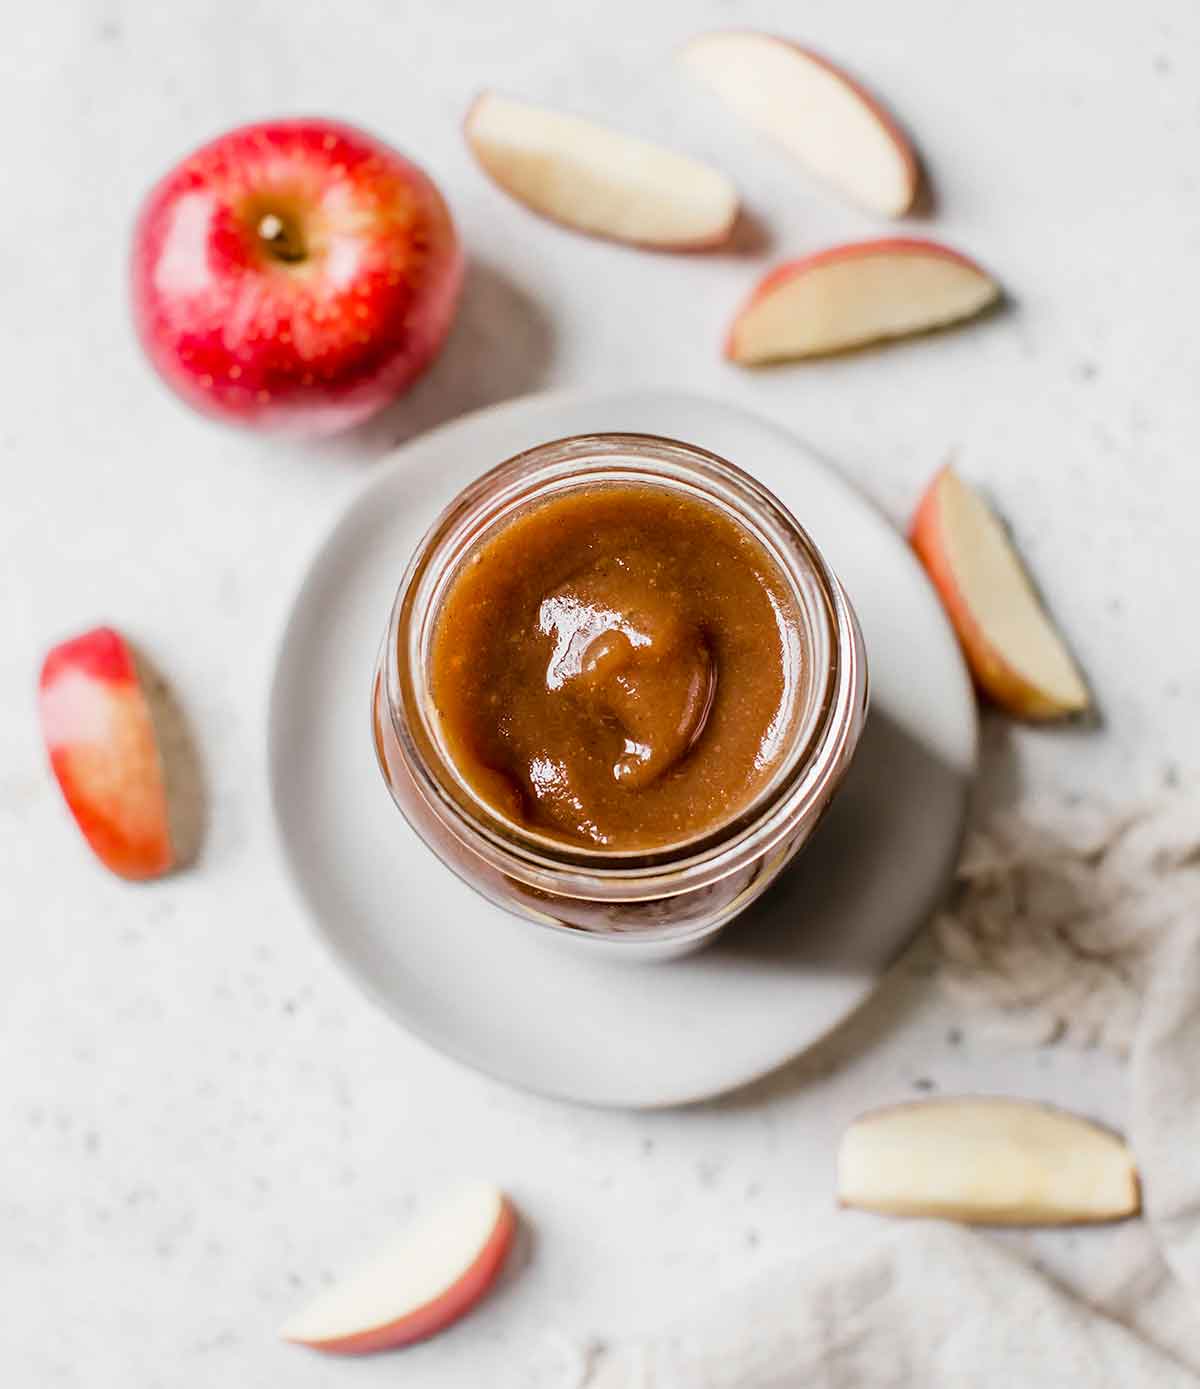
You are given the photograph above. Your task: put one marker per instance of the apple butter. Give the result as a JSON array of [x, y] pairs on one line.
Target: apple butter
[[617, 667]]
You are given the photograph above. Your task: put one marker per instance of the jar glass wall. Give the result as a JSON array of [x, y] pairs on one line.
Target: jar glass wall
[[638, 905]]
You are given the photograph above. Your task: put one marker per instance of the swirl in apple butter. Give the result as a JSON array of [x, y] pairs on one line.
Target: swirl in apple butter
[[617, 667]]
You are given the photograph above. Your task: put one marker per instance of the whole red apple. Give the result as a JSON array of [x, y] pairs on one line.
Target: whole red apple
[[295, 274]]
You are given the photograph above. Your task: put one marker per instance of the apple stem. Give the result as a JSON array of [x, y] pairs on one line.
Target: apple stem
[[280, 238]]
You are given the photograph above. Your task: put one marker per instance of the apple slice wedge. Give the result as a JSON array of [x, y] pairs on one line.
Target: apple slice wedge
[[427, 1278], [1015, 654], [987, 1162], [862, 292], [102, 746], [814, 110], [598, 180]]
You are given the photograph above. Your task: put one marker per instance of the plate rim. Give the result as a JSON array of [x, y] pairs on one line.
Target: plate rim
[[380, 472]]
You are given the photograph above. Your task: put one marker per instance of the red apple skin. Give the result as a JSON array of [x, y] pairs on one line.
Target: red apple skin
[[435, 1316], [887, 245], [100, 740], [994, 677], [315, 331]]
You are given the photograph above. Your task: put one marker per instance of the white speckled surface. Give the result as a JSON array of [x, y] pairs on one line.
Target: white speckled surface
[[201, 1119]]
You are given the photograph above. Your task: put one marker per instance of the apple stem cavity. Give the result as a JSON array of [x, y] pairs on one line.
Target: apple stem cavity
[[294, 275], [281, 238]]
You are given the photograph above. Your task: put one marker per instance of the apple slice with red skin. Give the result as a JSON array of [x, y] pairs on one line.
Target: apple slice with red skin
[[830, 123], [426, 1279], [1015, 654], [598, 180], [986, 1161], [859, 293], [101, 741]]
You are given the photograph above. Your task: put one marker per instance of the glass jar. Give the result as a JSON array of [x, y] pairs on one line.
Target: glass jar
[[641, 905]]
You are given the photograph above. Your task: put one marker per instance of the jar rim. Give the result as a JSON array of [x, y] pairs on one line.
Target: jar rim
[[827, 727]]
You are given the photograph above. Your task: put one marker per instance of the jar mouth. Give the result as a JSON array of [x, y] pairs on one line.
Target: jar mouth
[[823, 719]]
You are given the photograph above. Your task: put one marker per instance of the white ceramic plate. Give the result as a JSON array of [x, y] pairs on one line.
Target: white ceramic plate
[[491, 991]]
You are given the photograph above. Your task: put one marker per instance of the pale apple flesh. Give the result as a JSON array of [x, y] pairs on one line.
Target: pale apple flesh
[[815, 111], [860, 293], [1015, 654], [103, 751], [598, 180], [423, 1281], [986, 1161]]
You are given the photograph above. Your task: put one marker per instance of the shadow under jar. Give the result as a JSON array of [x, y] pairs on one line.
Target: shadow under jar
[[618, 689]]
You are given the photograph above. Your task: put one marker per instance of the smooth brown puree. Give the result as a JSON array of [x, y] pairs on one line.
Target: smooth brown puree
[[617, 667]]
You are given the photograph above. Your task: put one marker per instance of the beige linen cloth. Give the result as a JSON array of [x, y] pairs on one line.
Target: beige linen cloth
[[1063, 923], [921, 1305]]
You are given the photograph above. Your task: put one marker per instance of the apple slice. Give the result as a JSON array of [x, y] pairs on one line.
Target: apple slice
[[986, 1162], [850, 295], [1013, 650], [426, 1279], [817, 112], [100, 737], [598, 180]]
